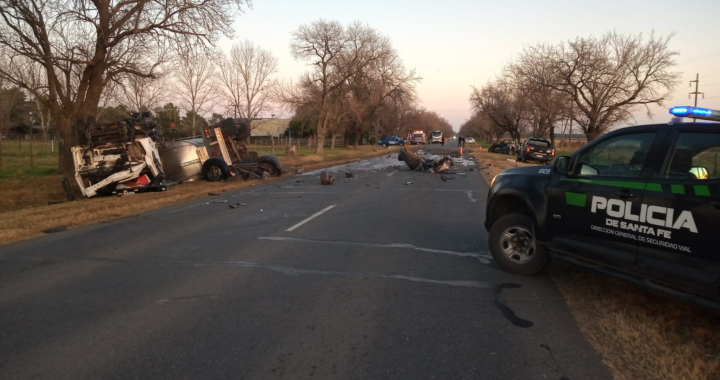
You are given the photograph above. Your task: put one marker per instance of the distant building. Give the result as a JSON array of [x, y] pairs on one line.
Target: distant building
[[269, 127]]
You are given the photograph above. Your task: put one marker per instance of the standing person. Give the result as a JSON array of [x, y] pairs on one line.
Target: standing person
[[442, 141], [459, 138]]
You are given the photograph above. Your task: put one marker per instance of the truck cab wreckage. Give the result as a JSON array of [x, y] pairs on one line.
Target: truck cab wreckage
[[127, 156]]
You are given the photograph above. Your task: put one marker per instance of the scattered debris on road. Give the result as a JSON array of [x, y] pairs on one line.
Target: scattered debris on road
[[349, 175], [409, 183], [326, 178]]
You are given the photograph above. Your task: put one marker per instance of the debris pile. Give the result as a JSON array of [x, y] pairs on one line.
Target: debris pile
[[326, 178], [434, 164]]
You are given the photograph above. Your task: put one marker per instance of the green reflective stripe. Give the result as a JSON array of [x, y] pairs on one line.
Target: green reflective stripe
[[677, 189], [702, 190], [630, 185], [575, 199]]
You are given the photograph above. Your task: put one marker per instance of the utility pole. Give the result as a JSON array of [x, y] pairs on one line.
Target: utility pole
[[696, 93]]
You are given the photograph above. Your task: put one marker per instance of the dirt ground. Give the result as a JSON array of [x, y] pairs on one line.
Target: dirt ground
[[640, 334]]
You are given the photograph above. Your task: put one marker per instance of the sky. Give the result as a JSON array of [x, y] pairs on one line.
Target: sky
[[457, 44]]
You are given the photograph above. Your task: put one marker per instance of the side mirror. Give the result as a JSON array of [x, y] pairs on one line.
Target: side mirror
[[560, 164]]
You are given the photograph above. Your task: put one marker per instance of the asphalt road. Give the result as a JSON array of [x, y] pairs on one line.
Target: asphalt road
[[387, 281]]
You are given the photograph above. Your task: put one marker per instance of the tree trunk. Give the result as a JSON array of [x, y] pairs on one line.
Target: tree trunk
[[66, 164], [552, 134], [357, 140], [332, 143], [320, 144]]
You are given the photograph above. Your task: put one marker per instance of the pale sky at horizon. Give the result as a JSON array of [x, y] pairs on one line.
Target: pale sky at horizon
[[456, 44]]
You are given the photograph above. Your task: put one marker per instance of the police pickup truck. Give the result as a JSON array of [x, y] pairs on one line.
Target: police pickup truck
[[641, 204]]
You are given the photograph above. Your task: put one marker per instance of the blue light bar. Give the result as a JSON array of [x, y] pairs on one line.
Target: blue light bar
[[695, 113]]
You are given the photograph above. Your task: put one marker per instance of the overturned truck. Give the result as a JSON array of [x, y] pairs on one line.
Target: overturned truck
[[128, 155]]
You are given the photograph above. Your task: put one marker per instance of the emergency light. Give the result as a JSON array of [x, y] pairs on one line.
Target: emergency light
[[696, 113]]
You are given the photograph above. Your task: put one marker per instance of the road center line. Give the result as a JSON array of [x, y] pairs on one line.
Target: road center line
[[483, 257], [313, 216], [392, 173]]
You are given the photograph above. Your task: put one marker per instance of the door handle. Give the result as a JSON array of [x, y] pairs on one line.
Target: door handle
[[625, 193]]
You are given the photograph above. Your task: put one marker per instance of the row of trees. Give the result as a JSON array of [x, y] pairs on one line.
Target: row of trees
[[596, 83], [357, 84]]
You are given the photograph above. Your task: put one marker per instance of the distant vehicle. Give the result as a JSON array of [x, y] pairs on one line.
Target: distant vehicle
[[506, 147], [469, 140], [536, 149], [417, 137], [391, 140], [436, 137]]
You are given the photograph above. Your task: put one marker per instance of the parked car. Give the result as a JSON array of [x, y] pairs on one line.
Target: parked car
[[536, 149], [469, 140], [505, 146], [641, 204], [391, 140]]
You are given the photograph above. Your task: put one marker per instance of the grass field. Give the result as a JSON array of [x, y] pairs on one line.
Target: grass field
[[16, 161]]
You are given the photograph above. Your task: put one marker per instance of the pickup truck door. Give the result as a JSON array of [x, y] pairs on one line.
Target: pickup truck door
[[591, 206]]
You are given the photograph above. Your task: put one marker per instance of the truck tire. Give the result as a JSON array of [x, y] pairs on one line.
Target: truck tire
[[513, 245], [269, 164], [215, 169], [384, 145]]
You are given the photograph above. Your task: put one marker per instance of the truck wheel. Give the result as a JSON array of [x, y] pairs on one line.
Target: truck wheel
[[270, 164], [215, 170], [513, 245]]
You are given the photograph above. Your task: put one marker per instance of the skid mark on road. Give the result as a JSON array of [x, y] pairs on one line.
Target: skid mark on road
[[286, 270], [483, 257]]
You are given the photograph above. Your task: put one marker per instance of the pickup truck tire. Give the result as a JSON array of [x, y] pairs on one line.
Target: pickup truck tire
[[385, 145], [513, 245]]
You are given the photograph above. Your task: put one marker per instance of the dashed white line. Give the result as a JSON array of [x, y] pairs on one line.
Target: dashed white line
[[313, 216], [469, 193], [392, 173]]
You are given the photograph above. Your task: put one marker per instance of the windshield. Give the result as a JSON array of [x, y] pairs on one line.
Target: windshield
[[437, 134], [417, 135]]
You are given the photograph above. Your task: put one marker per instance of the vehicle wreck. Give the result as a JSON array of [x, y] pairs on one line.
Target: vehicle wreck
[[128, 156], [435, 164]]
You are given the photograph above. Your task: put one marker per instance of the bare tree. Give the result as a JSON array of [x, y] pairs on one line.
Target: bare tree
[[83, 45], [608, 78], [334, 53], [504, 103], [246, 79], [141, 93], [196, 85]]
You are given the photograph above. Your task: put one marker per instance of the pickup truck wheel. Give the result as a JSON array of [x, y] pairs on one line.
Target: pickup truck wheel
[[513, 245], [384, 145]]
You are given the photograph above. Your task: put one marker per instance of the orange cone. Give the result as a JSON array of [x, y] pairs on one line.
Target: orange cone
[[461, 152]]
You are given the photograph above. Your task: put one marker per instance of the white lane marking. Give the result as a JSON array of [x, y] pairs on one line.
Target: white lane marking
[[469, 193], [483, 257], [313, 216], [392, 173]]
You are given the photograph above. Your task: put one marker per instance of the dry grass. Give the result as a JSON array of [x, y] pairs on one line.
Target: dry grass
[[640, 335], [25, 210]]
